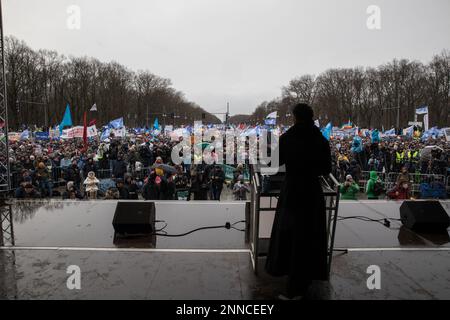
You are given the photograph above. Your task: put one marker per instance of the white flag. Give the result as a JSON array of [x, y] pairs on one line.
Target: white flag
[[94, 107], [422, 110], [273, 115]]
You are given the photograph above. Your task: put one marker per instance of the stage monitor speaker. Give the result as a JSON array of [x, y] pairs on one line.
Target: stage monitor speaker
[[134, 218], [425, 216]]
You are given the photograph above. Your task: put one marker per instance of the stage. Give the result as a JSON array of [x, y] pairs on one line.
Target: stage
[[209, 264]]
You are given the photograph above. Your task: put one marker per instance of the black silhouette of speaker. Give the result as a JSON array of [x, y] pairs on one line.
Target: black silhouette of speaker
[[427, 216], [133, 218]]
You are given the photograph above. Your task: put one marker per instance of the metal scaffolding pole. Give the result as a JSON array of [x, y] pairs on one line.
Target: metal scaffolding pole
[[5, 178]]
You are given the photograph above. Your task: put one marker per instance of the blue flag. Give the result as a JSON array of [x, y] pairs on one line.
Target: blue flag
[[390, 132], [156, 124], [116, 124], [327, 131], [375, 136], [105, 134], [357, 145], [66, 121]]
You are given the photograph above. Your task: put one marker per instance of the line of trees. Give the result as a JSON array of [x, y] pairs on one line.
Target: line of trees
[[41, 83], [369, 97]]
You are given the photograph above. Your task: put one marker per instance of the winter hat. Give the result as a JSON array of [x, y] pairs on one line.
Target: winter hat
[[70, 184]]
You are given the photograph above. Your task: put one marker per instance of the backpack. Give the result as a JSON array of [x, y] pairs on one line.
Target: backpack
[[378, 188]]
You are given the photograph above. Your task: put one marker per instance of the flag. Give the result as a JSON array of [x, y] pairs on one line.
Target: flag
[[25, 135], [408, 131], [375, 136], [67, 119], [270, 122], [273, 115], [105, 134], [422, 110], [327, 131], [357, 145], [426, 122], [116, 124], [390, 133], [85, 142], [94, 107], [348, 125], [156, 124]]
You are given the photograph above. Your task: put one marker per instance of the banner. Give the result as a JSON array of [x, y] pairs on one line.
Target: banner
[[13, 136], [77, 132], [54, 133], [42, 135]]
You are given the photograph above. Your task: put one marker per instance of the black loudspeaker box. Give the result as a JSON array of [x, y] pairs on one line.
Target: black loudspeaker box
[[424, 216], [134, 218]]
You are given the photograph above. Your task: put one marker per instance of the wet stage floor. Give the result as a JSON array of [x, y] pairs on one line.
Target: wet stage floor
[[209, 264]]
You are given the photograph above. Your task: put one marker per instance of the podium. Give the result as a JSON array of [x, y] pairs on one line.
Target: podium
[[263, 205]]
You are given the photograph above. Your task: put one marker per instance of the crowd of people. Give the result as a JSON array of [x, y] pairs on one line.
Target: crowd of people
[[355, 160], [140, 167], [120, 168]]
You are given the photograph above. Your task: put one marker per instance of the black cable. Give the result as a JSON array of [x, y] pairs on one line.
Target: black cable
[[227, 226], [385, 221], [187, 233]]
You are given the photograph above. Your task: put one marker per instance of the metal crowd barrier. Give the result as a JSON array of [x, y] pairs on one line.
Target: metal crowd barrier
[[416, 179], [365, 176]]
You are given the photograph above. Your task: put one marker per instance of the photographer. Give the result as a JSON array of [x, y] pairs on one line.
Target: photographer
[[349, 189], [240, 189]]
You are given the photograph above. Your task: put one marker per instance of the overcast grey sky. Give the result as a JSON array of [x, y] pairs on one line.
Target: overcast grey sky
[[241, 51]]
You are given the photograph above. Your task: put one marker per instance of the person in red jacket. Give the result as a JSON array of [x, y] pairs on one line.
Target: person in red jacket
[[400, 192]]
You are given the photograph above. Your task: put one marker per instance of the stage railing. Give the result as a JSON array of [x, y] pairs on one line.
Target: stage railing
[[263, 206]]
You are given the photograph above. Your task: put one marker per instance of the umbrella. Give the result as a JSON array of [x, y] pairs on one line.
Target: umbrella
[[204, 145], [425, 154], [165, 167]]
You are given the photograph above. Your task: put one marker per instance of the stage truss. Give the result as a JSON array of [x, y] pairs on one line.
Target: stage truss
[[5, 178]]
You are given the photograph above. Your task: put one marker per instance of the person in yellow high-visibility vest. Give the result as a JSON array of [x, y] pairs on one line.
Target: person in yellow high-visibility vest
[[413, 157], [399, 159]]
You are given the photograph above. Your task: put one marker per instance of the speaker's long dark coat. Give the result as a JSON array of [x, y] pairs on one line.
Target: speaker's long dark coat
[[298, 245]]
